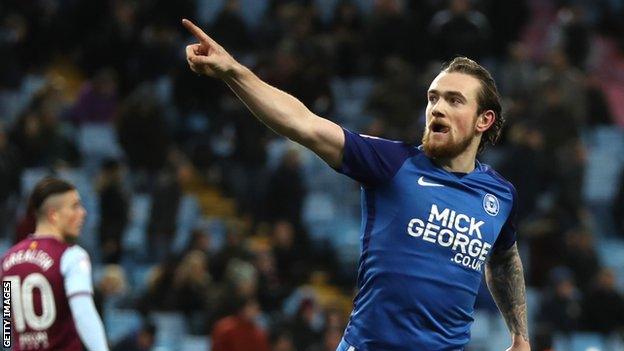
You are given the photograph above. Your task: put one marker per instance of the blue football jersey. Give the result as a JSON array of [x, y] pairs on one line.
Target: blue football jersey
[[426, 235]]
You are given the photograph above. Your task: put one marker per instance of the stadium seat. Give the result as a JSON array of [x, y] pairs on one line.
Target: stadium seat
[[615, 342], [318, 212], [580, 342], [31, 176], [487, 332], [137, 276], [361, 88], [171, 328], [120, 323], [189, 214], [135, 234], [533, 304], [97, 140], [605, 147], [195, 343], [610, 252], [217, 230]]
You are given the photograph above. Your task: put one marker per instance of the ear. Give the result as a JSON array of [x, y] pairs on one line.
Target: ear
[[52, 215], [485, 121]]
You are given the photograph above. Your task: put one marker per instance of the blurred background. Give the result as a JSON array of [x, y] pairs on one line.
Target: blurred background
[[200, 218]]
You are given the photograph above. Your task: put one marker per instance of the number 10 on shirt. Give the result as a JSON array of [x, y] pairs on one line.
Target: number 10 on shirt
[[23, 306]]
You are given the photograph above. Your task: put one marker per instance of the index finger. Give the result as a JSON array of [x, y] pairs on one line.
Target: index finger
[[196, 31]]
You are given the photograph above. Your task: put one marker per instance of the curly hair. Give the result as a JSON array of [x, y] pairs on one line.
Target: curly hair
[[488, 97]]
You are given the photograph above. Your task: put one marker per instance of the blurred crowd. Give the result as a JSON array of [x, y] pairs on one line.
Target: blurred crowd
[[67, 65]]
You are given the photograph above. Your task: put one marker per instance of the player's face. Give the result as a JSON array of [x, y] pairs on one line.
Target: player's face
[[71, 214], [451, 114]]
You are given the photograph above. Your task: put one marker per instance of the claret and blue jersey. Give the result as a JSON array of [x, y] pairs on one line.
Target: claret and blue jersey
[[426, 235]]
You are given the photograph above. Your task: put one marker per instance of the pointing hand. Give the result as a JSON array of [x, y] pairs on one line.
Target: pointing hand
[[207, 57]]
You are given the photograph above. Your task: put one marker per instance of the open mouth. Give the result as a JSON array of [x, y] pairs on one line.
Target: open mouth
[[438, 127]]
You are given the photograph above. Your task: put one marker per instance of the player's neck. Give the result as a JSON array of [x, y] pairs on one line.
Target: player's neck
[[462, 163], [47, 230]]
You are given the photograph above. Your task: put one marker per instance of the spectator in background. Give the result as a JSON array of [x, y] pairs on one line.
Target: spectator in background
[[242, 277], [329, 340], [245, 167], [391, 32], [114, 209], [234, 248], [281, 340], [518, 74], [460, 30], [554, 116], [289, 252], [544, 231], [573, 34], [286, 190], [348, 41], [560, 310], [10, 178], [603, 305], [231, 29], [166, 196], [399, 111], [581, 257], [118, 27], [567, 82], [598, 109], [240, 282], [239, 331], [158, 294], [39, 135], [192, 286], [112, 291], [271, 288], [97, 100], [28, 138], [307, 324], [526, 166], [508, 19], [142, 340], [200, 241], [14, 28], [156, 53], [143, 134]]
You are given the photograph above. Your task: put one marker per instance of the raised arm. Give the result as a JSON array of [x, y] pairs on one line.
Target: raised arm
[[505, 279], [280, 111]]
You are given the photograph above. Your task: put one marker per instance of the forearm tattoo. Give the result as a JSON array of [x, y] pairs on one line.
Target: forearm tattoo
[[505, 279]]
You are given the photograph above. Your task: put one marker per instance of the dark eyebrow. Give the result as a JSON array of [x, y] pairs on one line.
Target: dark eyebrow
[[450, 93]]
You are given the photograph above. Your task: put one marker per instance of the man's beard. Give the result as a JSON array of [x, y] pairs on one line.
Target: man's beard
[[449, 149]]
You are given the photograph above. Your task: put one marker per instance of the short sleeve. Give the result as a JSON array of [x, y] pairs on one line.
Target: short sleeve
[[76, 270], [507, 237], [371, 160]]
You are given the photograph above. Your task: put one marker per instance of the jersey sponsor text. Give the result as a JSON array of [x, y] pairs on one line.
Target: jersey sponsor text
[[457, 231]]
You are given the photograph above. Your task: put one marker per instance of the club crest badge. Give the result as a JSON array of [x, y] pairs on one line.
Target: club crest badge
[[490, 204]]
